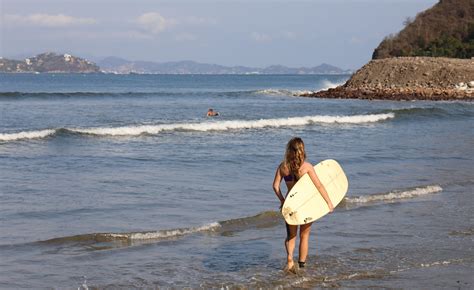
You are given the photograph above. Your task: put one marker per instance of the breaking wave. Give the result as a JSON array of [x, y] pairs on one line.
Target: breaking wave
[[265, 219], [326, 85], [134, 236], [283, 92], [394, 196], [101, 241], [66, 95], [16, 95], [27, 135], [202, 127]]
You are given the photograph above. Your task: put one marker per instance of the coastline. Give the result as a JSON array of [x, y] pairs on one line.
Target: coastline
[[408, 78], [408, 94]]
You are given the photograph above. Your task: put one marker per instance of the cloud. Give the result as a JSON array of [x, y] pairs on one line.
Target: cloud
[[194, 20], [288, 35], [154, 23], [48, 20], [356, 40], [261, 37], [184, 37], [278, 36]]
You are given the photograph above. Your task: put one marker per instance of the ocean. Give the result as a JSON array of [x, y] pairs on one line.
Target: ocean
[[121, 181]]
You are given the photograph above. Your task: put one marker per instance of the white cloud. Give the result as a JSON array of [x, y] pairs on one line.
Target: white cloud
[[193, 20], [261, 37], [154, 23], [185, 37], [288, 35], [356, 40], [48, 20]]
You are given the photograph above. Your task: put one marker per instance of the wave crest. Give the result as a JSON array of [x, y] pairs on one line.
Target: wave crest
[[326, 85], [203, 126], [394, 195], [235, 125], [27, 135], [283, 92], [164, 234]]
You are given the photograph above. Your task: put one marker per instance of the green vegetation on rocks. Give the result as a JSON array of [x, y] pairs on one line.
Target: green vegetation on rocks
[[445, 30]]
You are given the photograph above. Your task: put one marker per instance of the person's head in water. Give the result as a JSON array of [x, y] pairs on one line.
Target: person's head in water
[[295, 155], [211, 112]]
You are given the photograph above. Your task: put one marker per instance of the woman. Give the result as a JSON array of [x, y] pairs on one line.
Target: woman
[[291, 169]]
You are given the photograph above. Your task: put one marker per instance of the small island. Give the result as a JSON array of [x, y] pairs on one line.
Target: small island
[[49, 63], [432, 58]]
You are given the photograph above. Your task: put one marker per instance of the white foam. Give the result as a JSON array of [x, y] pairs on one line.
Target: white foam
[[393, 196], [330, 85], [205, 126], [301, 92], [283, 92], [234, 125], [440, 263], [277, 92], [166, 233], [26, 135]]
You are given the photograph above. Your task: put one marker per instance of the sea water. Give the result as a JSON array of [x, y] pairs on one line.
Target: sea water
[[122, 181]]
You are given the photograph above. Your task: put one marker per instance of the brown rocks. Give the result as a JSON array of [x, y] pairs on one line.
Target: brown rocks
[[399, 94], [408, 78]]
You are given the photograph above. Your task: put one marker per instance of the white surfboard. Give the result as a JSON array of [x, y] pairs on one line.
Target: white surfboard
[[304, 204]]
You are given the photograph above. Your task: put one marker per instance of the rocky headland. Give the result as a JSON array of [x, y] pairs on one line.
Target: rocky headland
[[431, 58], [408, 78]]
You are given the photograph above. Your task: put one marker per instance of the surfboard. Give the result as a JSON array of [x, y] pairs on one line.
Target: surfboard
[[304, 204]]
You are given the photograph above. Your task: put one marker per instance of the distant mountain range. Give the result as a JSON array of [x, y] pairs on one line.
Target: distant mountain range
[[65, 63], [121, 66]]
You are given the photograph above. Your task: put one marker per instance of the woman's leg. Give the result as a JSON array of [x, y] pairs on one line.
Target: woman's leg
[[290, 242], [305, 230]]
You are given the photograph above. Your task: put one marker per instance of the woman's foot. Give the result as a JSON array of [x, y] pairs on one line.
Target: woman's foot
[[301, 264], [291, 267]]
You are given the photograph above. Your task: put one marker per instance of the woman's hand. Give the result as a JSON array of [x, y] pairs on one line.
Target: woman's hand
[[331, 207], [282, 201]]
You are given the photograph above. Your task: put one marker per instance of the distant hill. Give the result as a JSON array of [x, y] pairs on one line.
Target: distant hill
[[65, 63], [445, 30], [49, 63], [119, 65]]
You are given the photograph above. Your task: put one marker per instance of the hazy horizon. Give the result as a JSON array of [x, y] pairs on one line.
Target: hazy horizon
[[229, 33]]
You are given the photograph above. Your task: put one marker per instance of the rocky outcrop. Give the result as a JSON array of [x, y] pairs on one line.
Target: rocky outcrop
[[49, 63], [408, 78]]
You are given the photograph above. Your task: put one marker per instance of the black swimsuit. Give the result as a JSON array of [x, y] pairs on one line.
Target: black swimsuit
[[288, 178]]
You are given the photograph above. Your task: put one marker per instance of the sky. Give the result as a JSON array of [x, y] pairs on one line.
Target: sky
[[255, 33]]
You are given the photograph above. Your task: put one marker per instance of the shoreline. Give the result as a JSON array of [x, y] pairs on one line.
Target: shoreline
[[408, 94]]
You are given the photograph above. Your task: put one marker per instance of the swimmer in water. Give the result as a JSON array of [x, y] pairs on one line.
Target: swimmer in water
[[212, 113]]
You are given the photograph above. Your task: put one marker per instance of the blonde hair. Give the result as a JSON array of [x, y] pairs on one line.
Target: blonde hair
[[295, 156]]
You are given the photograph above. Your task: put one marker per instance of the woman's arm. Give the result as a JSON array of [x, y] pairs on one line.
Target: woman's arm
[[276, 185], [319, 186]]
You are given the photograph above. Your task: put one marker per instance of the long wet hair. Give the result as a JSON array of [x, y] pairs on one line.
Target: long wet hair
[[295, 156]]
